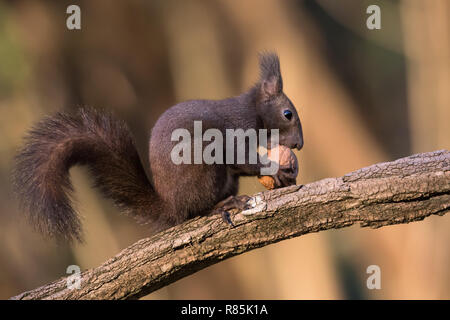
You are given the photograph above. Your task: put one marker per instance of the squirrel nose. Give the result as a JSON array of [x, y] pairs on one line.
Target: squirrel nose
[[299, 145]]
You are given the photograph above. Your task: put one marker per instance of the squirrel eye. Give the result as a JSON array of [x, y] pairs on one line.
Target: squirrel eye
[[287, 114]]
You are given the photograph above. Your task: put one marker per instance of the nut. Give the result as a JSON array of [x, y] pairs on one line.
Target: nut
[[285, 158]]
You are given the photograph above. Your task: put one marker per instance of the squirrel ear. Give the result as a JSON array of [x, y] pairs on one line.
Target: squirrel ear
[[271, 87], [270, 78]]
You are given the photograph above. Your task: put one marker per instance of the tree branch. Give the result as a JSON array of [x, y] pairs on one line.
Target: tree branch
[[401, 191]]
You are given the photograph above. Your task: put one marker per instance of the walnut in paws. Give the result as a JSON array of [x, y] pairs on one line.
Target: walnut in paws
[[287, 162]]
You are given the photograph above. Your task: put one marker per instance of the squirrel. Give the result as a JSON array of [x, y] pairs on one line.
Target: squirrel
[[173, 193]]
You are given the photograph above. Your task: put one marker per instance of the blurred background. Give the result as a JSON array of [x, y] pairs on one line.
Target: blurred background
[[364, 96]]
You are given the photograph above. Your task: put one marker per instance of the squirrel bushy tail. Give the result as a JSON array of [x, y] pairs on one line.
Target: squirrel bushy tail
[[98, 140]]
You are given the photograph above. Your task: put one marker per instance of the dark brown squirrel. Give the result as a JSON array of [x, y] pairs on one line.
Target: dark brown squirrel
[[174, 193]]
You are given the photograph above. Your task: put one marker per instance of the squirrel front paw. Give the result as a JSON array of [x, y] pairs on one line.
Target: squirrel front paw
[[285, 177]]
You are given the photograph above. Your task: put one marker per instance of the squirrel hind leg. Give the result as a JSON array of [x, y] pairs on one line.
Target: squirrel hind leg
[[235, 203]]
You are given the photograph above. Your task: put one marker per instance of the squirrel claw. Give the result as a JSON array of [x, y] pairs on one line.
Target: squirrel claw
[[231, 203], [226, 217]]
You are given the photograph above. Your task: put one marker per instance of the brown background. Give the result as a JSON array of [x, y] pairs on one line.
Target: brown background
[[363, 96]]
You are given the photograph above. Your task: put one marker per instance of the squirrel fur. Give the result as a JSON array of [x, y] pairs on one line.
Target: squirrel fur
[[174, 193]]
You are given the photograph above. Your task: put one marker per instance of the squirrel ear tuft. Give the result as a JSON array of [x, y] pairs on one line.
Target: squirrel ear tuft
[[270, 77]]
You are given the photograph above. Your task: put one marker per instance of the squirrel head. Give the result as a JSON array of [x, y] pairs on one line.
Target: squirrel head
[[274, 107]]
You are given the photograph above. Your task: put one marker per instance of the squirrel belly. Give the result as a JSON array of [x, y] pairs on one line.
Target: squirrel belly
[[192, 189]]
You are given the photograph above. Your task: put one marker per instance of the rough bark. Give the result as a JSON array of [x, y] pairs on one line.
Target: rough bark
[[402, 191]]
